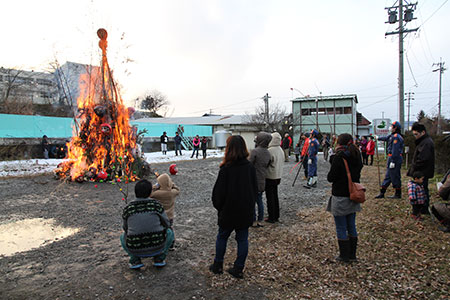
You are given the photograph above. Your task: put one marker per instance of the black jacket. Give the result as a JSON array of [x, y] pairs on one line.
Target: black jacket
[[286, 143], [338, 175], [423, 159], [204, 144], [234, 195]]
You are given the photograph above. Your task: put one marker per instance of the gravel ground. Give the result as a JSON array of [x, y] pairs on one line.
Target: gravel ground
[[91, 263]]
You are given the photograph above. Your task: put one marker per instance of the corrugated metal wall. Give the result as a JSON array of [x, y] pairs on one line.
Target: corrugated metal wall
[[23, 126]]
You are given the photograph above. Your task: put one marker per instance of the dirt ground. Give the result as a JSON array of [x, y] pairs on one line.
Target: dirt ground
[[91, 264]]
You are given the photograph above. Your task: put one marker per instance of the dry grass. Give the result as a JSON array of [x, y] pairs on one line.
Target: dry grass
[[398, 258]]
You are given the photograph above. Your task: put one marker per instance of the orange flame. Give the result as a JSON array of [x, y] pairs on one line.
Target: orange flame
[[104, 140]]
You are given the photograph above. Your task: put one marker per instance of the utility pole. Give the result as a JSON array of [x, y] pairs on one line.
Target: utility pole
[[441, 70], [266, 107], [410, 97], [404, 13]]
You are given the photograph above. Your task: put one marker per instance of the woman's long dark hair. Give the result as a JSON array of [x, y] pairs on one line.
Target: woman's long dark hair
[[236, 149], [345, 141]]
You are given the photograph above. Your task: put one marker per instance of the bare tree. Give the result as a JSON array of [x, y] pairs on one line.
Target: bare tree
[[13, 94], [277, 115], [153, 102]]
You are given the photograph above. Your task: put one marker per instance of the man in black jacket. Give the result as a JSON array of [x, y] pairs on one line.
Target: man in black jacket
[[177, 140], [164, 140], [423, 159]]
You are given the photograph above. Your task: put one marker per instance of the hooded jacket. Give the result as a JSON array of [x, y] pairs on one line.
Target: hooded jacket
[[165, 193], [276, 157], [260, 158]]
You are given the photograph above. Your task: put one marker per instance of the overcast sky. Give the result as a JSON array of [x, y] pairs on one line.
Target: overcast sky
[[224, 55]]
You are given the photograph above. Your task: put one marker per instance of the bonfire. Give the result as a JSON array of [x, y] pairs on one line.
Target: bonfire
[[104, 145]]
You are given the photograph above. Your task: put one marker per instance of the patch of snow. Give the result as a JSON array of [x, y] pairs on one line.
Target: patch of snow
[[31, 167]]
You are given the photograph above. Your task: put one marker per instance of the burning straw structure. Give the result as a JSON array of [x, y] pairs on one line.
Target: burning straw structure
[[104, 146]]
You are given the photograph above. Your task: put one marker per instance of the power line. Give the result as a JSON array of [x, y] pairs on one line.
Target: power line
[[422, 30], [218, 107], [382, 100], [434, 13], [410, 69]]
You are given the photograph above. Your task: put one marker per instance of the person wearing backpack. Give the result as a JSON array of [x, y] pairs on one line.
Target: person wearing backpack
[[339, 205]]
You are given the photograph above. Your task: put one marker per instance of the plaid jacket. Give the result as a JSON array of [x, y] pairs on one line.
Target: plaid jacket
[[416, 193]]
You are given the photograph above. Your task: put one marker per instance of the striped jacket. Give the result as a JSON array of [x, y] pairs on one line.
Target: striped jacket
[[145, 224]]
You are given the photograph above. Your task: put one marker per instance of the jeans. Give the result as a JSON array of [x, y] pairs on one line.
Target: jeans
[[242, 245], [195, 150], [260, 204], [178, 148], [160, 255], [345, 226]]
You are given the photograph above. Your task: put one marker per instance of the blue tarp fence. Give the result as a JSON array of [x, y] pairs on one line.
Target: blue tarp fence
[[23, 126]]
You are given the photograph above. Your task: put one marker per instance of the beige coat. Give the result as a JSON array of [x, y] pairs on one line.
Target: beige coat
[[165, 193], [276, 157]]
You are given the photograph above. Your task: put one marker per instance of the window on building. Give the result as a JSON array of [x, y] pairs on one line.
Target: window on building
[[348, 110], [306, 112]]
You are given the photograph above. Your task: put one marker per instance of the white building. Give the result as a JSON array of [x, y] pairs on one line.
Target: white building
[[21, 85], [68, 77]]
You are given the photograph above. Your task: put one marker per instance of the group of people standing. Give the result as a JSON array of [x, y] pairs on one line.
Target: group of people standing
[[197, 143], [244, 177]]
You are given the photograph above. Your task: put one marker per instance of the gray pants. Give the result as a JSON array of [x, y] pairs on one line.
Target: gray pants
[[286, 154]]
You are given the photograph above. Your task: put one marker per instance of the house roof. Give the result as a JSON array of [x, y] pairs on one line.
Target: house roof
[[364, 121], [332, 97], [206, 120]]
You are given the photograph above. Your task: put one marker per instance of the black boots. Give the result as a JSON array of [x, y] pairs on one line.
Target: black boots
[[347, 250], [216, 267], [237, 272], [381, 194], [397, 195], [344, 251], [353, 247]]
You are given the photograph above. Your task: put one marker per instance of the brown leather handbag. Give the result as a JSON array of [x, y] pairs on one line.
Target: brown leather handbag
[[357, 190]]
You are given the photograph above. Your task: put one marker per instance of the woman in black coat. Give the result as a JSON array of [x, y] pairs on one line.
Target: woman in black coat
[[234, 197], [341, 207]]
